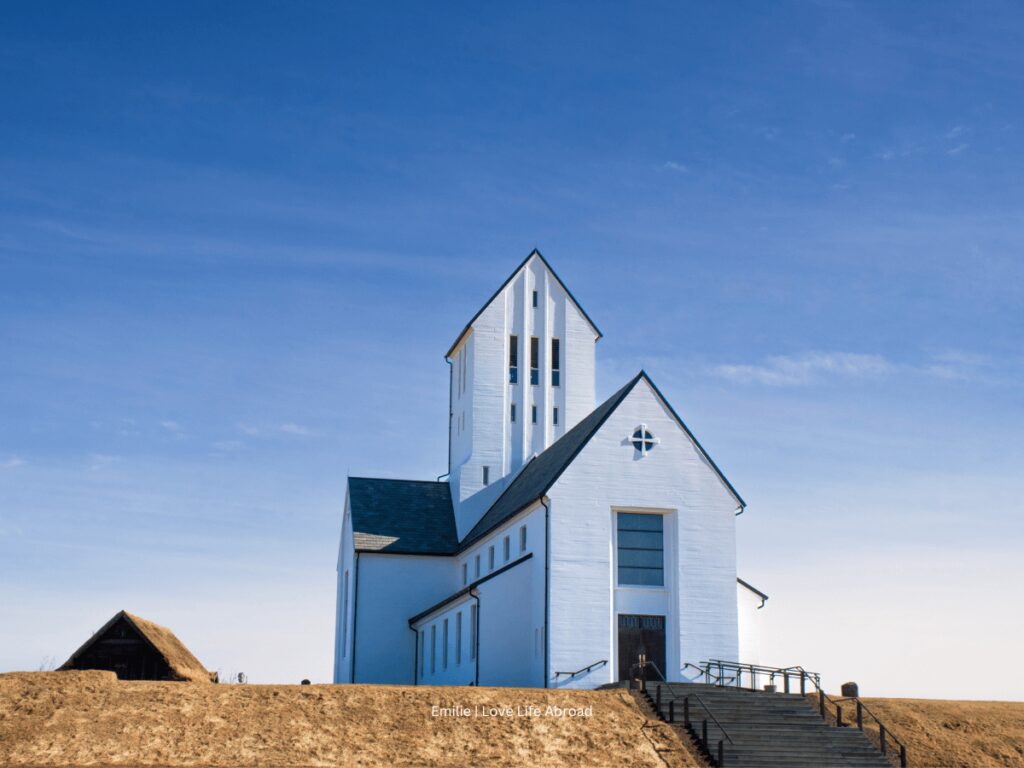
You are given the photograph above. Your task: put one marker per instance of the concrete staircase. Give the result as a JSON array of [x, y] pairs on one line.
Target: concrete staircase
[[762, 730]]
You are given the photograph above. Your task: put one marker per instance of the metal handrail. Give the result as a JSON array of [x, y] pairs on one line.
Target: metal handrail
[[686, 711], [582, 671], [823, 698]]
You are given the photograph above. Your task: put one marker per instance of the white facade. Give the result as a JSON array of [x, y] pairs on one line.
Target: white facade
[[533, 575]]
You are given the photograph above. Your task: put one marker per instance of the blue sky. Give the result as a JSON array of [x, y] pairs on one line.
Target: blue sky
[[235, 242]]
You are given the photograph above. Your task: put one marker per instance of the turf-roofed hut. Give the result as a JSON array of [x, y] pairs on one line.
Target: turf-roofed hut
[[137, 649]]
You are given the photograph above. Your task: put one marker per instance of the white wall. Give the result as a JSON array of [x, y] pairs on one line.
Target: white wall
[[749, 615], [674, 478], [391, 590], [346, 557]]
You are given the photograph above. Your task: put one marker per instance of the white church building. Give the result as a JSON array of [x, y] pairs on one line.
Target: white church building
[[567, 538]]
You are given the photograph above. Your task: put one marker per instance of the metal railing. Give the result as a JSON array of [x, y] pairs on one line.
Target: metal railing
[[717, 758], [728, 673], [583, 671]]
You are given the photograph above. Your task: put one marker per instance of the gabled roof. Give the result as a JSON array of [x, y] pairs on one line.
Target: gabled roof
[[509, 279], [184, 666], [410, 517], [537, 477]]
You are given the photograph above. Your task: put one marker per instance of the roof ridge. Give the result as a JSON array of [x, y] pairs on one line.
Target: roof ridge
[[397, 480]]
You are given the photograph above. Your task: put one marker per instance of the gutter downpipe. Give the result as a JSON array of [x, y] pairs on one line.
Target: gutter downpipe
[[355, 616], [450, 371], [415, 655], [547, 583], [475, 594]]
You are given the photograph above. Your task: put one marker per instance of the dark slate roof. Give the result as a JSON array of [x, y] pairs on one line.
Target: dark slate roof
[[413, 517], [515, 272], [545, 468]]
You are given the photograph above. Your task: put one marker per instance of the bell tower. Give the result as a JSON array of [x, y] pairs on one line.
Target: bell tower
[[522, 374]]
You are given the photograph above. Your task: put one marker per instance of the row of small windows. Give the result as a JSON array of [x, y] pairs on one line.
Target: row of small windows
[[533, 414], [445, 644], [506, 551], [513, 361]]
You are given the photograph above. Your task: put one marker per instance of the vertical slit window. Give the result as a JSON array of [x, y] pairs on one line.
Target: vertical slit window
[[513, 359], [533, 414], [444, 645], [465, 574], [534, 360], [554, 416], [522, 538], [458, 638], [423, 651], [473, 620], [490, 558], [487, 475], [512, 412], [507, 549], [476, 567], [433, 648], [556, 363], [535, 298]]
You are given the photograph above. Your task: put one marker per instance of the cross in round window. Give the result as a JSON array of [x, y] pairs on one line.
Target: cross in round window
[[643, 440]]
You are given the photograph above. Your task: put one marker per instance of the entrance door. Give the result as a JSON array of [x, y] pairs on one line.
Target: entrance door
[[641, 635]]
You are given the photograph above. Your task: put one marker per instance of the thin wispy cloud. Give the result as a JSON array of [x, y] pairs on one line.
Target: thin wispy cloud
[[784, 370], [295, 429], [671, 165], [846, 138], [287, 428], [171, 426], [957, 149], [955, 131], [12, 462]]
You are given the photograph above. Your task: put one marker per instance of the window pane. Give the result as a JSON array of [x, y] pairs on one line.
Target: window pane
[[640, 522], [534, 376], [555, 354], [645, 577], [513, 351], [641, 539], [534, 352], [640, 558]]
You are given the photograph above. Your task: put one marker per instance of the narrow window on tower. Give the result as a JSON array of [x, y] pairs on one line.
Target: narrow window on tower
[[554, 416], [465, 574], [533, 414], [512, 412], [444, 646], [535, 298], [513, 359], [507, 549], [534, 360], [423, 651], [522, 539], [476, 567], [487, 475], [556, 372], [433, 648], [490, 558]]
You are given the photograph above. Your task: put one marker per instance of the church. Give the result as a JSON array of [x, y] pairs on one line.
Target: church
[[568, 540]]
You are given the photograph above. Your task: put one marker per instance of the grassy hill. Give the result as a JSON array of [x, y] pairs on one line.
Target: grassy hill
[[89, 718]]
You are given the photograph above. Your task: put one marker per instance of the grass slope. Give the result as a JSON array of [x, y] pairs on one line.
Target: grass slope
[[91, 719]]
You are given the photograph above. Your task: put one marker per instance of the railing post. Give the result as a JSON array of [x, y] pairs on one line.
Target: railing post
[[672, 710], [860, 716], [739, 676], [657, 698], [903, 756], [785, 681], [704, 732], [803, 683], [881, 733], [721, 755], [821, 703], [686, 711], [839, 716]]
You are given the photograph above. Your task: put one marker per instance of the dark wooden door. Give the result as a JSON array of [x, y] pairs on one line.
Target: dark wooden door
[[641, 635]]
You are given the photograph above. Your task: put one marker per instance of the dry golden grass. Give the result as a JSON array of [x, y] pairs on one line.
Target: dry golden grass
[[91, 719], [954, 734]]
